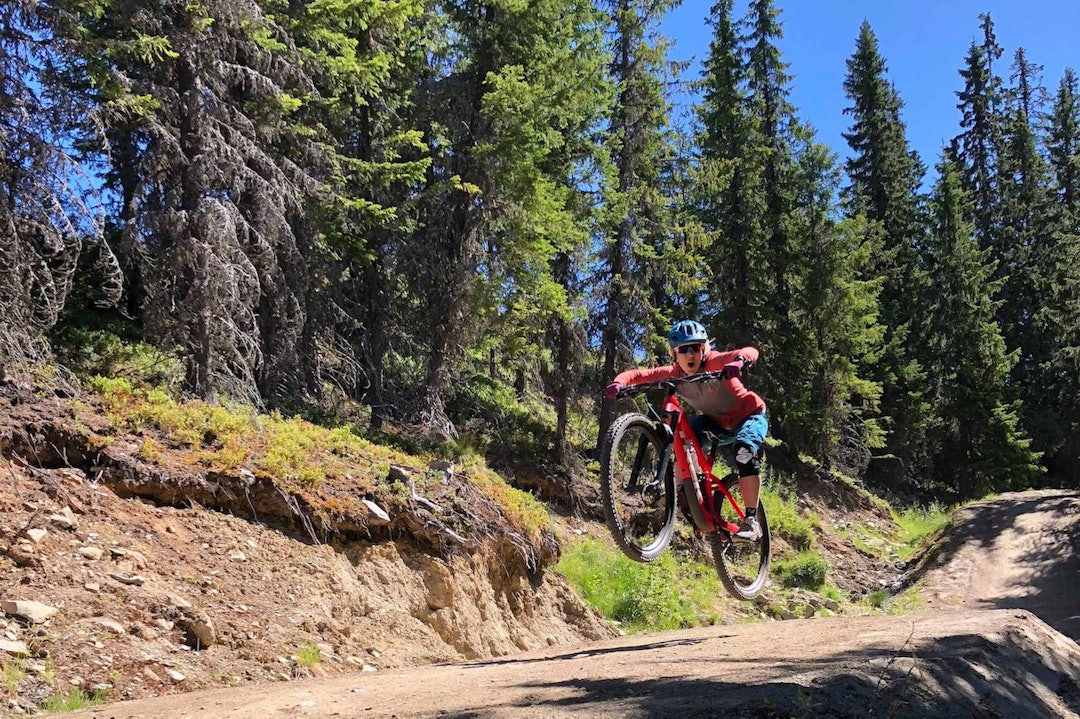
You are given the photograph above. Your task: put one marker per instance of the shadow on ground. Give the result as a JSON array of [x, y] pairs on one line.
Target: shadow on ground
[[958, 677]]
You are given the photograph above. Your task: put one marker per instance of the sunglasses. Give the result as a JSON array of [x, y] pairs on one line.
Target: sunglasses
[[689, 349]]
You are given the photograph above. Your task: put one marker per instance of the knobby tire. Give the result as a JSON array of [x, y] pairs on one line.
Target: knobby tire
[[637, 487], [743, 567]]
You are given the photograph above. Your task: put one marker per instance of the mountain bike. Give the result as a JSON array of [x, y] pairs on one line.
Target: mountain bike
[[647, 461]]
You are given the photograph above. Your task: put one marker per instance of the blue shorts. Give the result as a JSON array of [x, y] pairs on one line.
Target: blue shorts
[[751, 431]]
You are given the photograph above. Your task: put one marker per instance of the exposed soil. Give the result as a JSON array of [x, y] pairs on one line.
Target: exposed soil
[[961, 662], [162, 585]]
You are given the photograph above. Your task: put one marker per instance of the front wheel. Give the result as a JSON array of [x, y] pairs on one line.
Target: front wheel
[[637, 484], [743, 567]]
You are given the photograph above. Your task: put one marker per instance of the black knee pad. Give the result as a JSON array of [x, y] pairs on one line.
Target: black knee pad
[[746, 461]]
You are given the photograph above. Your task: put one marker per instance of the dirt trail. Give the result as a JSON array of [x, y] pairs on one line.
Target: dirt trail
[[987, 647]]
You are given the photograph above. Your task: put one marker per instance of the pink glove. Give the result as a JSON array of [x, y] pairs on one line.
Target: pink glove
[[613, 389], [732, 369]]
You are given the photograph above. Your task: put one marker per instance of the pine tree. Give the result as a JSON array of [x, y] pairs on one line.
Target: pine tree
[[364, 60], [199, 99], [770, 143], [980, 447], [728, 184], [836, 309]]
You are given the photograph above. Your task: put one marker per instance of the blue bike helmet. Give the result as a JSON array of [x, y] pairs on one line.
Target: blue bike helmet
[[686, 332]]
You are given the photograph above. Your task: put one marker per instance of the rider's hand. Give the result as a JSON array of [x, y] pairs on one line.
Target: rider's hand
[[732, 369], [613, 389]]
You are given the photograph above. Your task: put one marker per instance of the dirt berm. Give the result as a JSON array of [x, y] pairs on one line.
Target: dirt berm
[[1003, 599]]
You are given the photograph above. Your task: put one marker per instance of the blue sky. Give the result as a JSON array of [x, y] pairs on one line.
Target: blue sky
[[924, 43]]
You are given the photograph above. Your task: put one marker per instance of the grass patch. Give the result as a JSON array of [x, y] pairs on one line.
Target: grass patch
[[786, 521], [918, 525], [12, 673], [807, 569], [666, 594], [226, 437], [308, 655], [74, 700], [906, 602]]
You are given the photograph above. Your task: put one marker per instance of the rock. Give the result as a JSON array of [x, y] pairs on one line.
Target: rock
[[65, 519], [179, 602], [135, 579], [376, 514], [199, 628], [17, 649], [31, 611], [447, 469], [238, 556], [175, 675], [131, 555], [111, 624], [149, 674], [92, 587], [145, 632], [398, 474], [23, 554], [91, 553], [36, 535]]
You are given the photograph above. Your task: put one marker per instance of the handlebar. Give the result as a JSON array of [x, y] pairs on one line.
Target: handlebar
[[669, 384]]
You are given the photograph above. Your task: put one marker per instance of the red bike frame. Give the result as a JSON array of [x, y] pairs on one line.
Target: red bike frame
[[693, 469]]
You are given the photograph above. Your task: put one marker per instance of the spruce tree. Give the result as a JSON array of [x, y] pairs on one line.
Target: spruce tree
[[634, 209], [728, 184], [1059, 319], [978, 146], [979, 446], [45, 195], [882, 198], [1024, 269]]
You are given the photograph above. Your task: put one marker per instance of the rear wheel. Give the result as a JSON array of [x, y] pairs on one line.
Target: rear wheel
[[638, 487], [743, 566]]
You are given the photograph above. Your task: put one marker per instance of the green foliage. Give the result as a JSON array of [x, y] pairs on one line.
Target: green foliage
[[228, 437], [666, 594], [522, 510], [494, 421], [907, 602], [807, 570]]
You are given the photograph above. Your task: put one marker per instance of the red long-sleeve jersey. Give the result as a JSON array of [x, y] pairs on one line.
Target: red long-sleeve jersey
[[727, 401]]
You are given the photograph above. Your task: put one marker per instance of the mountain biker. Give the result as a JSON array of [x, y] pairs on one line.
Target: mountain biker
[[726, 407]]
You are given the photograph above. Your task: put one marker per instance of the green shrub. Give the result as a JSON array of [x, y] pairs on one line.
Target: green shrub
[[90, 353], [806, 569]]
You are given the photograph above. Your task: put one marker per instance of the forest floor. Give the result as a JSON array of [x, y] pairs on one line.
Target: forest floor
[[986, 647], [174, 609]]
